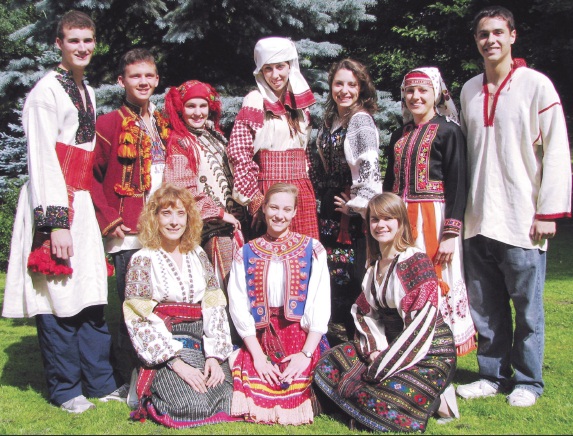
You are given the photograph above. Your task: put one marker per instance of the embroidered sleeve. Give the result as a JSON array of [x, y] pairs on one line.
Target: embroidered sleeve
[[216, 331], [419, 309], [239, 304], [554, 199], [370, 330], [151, 340], [241, 153], [316, 313], [361, 151], [454, 168]]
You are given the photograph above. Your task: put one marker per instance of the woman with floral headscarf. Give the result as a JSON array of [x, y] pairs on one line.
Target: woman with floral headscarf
[[270, 135], [427, 168], [197, 160]]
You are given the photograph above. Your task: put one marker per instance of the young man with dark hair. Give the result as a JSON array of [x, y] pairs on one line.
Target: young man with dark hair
[[57, 269], [128, 167], [520, 183]]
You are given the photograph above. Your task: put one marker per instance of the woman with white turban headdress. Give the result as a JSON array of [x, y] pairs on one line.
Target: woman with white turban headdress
[[427, 168], [269, 139]]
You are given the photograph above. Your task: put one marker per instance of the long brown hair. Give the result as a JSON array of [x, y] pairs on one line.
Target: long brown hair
[[388, 205], [366, 99]]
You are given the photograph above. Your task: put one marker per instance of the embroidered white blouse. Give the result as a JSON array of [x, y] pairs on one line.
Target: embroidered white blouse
[[153, 278]]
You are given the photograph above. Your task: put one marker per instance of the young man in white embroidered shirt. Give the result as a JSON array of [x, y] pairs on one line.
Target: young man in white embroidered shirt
[[519, 184]]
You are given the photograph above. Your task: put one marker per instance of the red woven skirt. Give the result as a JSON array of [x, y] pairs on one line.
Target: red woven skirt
[[255, 399], [290, 166]]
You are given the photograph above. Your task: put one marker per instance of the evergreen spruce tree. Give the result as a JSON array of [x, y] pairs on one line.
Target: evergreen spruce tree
[[207, 40]]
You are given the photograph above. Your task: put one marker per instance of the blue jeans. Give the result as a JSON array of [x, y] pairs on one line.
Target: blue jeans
[[497, 273]]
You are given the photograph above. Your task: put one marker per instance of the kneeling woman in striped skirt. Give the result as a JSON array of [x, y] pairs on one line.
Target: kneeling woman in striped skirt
[[176, 319], [399, 371]]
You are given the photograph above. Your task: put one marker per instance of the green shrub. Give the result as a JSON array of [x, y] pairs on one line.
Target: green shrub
[[8, 204]]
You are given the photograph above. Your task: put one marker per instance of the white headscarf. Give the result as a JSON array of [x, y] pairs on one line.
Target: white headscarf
[[273, 50], [444, 104]]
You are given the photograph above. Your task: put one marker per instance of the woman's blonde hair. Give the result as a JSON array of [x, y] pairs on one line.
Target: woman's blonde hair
[[167, 196], [281, 187], [388, 205]]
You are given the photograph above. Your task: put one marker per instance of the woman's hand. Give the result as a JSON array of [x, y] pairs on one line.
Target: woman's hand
[[340, 203], [192, 376], [267, 371], [298, 362], [213, 373], [228, 218], [445, 252]]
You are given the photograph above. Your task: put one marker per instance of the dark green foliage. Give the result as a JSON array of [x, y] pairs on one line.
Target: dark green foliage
[[7, 212]]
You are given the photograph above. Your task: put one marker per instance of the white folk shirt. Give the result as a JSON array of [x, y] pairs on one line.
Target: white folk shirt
[[49, 116], [154, 278], [519, 167]]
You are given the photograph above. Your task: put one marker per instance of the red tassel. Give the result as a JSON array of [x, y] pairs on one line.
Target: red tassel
[[110, 268], [41, 261]]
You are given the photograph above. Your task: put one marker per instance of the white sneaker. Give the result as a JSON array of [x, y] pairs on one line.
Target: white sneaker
[[521, 397], [479, 389], [120, 394], [78, 404]]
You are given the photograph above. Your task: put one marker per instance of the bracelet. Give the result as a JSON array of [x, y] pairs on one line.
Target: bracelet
[[171, 362]]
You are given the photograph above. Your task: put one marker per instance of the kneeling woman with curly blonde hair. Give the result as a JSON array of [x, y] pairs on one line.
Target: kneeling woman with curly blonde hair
[[176, 318]]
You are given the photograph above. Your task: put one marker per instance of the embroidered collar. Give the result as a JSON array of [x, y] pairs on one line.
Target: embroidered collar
[[86, 114], [137, 110], [488, 116], [286, 247]]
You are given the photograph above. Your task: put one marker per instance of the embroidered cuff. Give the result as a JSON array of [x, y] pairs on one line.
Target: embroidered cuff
[[55, 216], [218, 359], [111, 226], [256, 203], [452, 226]]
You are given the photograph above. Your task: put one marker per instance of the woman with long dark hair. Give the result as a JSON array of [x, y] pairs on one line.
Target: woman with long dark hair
[[345, 174]]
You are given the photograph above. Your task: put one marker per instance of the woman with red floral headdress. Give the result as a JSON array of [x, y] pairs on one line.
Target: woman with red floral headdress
[[197, 160]]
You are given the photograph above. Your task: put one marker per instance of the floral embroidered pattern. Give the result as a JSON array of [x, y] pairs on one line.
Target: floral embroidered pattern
[[86, 115], [55, 216], [363, 135], [138, 278]]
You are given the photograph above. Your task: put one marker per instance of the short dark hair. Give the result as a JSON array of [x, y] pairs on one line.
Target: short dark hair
[[134, 56], [74, 20], [494, 12]]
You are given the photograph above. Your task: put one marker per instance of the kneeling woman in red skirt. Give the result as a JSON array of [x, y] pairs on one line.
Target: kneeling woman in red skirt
[[279, 299]]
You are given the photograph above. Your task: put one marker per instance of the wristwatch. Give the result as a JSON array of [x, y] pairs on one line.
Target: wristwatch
[[307, 353]]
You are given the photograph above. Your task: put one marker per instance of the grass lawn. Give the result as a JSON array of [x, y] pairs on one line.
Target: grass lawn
[[24, 409]]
